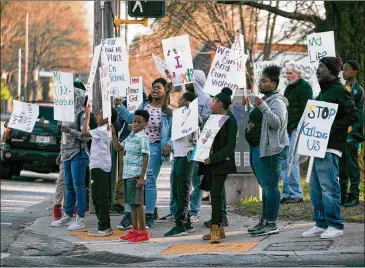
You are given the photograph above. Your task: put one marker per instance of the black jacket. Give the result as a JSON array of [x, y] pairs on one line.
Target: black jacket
[[357, 131], [347, 113], [297, 94]]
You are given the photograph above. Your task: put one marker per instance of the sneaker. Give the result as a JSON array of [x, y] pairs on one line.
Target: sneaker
[[141, 237], [351, 203], [284, 200], [189, 227], [176, 231], [65, 220], [126, 222], [132, 233], [267, 229], [331, 232], [194, 218], [149, 221], [57, 212], [99, 233], [169, 218], [295, 200], [257, 226], [78, 225], [155, 213], [314, 231]]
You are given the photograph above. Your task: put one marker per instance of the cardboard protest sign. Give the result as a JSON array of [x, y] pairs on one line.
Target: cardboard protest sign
[[134, 93], [223, 72], [24, 116], [94, 66], [105, 92], [206, 138], [64, 108], [315, 127], [118, 65], [185, 120], [161, 66], [238, 48], [178, 59]]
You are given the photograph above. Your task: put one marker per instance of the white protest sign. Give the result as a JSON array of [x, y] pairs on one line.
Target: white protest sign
[[105, 92], [161, 65], [94, 66], [206, 138], [134, 93], [178, 59], [238, 48], [223, 72], [24, 116], [315, 128], [185, 120], [118, 64], [64, 108]]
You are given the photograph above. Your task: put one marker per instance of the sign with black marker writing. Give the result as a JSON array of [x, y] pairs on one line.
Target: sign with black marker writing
[[134, 93], [94, 67], [64, 108], [185, 120], [24, 116]]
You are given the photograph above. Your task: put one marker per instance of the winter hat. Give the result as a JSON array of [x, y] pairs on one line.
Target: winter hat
[[354, 64], [334, 64], [225, 96]]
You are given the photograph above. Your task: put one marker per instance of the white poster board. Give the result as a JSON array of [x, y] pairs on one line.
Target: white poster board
[[238, 48], [178, 59], [94, 67], [185, 120], [24, 116], [134, 93], [161, 66], [206, 138], [64, 108], [118, 64], [315, 128], [105, 92], [223, 72]]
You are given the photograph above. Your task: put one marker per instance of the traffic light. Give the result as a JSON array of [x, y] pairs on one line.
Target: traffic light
[[146, 9]]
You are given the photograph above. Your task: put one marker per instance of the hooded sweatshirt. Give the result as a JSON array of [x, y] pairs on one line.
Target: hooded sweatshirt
[[204, 100]]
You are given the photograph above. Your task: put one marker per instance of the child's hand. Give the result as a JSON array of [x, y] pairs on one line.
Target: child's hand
[[168, 88], [140, 183], [166, 150], [42, 123], [207, 161], [111, 127], [87, 110]]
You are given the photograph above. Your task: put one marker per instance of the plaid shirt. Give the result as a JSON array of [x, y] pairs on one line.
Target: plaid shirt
[[134, 145]]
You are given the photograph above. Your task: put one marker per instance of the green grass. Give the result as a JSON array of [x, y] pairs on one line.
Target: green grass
[[302, 211]]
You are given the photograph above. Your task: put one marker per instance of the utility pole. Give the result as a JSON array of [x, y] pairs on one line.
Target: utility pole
[[26, 57], [19, 72]]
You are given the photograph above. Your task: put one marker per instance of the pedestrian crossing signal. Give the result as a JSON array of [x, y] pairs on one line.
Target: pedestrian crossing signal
[[146, 9]]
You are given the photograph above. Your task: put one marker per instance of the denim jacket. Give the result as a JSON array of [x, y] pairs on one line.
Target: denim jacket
[[165, 125]]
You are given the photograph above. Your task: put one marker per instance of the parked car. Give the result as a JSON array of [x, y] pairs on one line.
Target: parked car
[[36, 151]]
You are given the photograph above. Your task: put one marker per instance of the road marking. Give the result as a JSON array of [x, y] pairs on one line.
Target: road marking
[[4, 255], [6, 223]]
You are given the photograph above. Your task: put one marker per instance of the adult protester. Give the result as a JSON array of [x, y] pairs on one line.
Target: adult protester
[[349, 162], [298, 92], [266, 133], [324, 185], [159, 132]]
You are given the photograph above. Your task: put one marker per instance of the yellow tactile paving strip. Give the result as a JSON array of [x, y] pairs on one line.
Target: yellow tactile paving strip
[[115, 236], [208, 248]]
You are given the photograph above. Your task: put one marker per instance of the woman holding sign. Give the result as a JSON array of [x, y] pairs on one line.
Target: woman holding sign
[[267, 136], [159, 133]]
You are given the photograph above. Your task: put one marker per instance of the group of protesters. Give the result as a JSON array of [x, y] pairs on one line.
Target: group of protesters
[[143, 142]]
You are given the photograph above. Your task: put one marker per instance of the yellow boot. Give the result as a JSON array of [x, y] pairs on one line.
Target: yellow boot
[[214, 234], [222, 234]]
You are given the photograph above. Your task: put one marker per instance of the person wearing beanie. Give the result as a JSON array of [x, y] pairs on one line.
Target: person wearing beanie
[[349, 163], [298, 92], [267, 135], [220, 163], [324, 186]]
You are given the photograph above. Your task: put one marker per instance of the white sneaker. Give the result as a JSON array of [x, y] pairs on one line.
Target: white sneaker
[[194, 218], [98, 233], [65, 220], [78, 225], [331, 232], [314, 231]]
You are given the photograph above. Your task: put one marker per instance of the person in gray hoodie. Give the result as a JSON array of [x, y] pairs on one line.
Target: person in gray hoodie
[[267, 136]]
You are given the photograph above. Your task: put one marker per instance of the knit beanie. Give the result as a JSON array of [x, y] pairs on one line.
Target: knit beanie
[[354, 64], [334, 64], [225, 96]]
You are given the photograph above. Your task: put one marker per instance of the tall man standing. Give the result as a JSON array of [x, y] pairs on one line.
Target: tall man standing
[[324, 186], [349, 163]]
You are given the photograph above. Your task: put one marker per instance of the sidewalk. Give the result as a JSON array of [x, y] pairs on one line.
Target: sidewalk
[[288, 242]]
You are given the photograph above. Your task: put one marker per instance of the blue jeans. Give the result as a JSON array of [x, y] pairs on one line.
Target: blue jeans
[[325, 192], [75, 171], [153, 169], [291, 184], [267, 171]]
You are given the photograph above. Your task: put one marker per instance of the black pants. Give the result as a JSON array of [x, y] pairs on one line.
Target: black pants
[[349, 168], [182, 173], [216, 183], [100, 191]]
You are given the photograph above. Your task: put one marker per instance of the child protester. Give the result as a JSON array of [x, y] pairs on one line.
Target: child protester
[[136, 155], [100, 168], [182, 169]]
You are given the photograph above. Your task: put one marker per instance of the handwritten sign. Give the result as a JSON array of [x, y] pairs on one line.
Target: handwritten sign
[[178, 59], [206, 138], [64, 108], [24, 116], [238, 48], [118, 65], [134, 93], [105, 92], [161, 66], [185, 120], [315, 128], [94, 66]]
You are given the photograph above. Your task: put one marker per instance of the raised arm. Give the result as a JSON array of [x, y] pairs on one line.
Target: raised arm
[[165, 105], [85, 127]]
